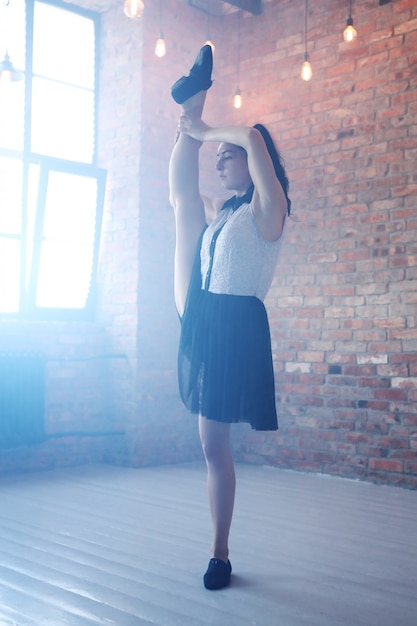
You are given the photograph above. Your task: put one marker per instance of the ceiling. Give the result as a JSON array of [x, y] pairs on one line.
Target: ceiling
[[219, 7]]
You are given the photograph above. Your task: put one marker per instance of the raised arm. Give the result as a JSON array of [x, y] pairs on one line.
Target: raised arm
[[269, 202]]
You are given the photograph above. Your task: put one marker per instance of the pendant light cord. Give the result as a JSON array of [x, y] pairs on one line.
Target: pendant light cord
[[305, 26], [238, 47], [160, 17]]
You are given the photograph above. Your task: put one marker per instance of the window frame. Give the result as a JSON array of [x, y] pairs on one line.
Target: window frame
[[27, 307], [48, 165]]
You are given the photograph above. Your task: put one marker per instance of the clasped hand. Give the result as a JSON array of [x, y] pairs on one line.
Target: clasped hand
[[194, 127]]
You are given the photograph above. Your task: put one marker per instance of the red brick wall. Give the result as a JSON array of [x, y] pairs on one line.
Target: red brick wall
[[136, 277], [85, 413], [343, 303]]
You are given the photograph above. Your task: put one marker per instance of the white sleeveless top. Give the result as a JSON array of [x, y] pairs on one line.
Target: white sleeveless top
[[244, 262]]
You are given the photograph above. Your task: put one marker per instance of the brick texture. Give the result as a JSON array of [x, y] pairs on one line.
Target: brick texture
[[342, 305]]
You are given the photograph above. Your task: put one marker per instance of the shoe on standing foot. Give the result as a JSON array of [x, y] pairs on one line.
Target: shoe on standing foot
[[218, 574]]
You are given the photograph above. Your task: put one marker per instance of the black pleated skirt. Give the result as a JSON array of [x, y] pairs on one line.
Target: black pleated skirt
[[225, 368]]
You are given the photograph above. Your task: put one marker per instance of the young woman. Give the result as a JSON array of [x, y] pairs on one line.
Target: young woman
[[225, 258]]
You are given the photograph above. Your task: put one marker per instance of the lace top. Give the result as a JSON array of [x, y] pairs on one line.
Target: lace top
[[243, 261]]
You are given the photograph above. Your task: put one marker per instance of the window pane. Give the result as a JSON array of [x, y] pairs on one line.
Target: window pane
[[9, 275], [12, 39], [11, 177], [67, 248], [70, 210], [11, 115], [63, 46], [64, 275], [33, 187], [62, 121]]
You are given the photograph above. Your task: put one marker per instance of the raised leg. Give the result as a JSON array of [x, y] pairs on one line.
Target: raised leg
[[186, 200]]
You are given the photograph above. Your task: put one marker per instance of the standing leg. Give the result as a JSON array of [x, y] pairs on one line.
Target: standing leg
[[215, 440]]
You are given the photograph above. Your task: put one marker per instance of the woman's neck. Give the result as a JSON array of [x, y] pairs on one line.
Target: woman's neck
[[239, 193]]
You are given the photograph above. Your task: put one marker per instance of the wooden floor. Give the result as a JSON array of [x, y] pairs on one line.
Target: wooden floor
[[128, 547]]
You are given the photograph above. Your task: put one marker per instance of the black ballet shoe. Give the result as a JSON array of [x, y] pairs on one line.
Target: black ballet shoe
[[218, 574], [199, 78]]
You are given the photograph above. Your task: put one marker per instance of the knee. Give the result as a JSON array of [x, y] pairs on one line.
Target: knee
[[215, 441], [216, 450]]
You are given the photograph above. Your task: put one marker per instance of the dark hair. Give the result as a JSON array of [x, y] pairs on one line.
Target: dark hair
[[276, 160]]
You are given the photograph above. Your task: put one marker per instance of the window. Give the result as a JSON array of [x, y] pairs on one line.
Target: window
[[51, 190]]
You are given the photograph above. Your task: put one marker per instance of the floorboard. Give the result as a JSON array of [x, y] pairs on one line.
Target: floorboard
[[103, 545]]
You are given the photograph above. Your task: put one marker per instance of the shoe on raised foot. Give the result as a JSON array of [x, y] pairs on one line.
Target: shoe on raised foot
[[218, 574], [199, 78]]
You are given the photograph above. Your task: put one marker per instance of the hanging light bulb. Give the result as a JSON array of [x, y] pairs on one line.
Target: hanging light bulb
[[134, 8], [306, 71], [349, 34], [8, 73], [237, 98], [160, 47]]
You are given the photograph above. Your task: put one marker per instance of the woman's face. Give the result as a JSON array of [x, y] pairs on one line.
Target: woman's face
[[232, 166]]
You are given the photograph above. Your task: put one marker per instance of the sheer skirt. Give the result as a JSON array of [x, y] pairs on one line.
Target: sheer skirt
[[225, 368]]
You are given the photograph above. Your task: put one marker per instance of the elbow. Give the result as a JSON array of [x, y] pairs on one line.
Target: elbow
[[251, 137], [254, 135]]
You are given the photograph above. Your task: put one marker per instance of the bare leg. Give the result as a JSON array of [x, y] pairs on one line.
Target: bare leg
[[186, 200], [215, 440]]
